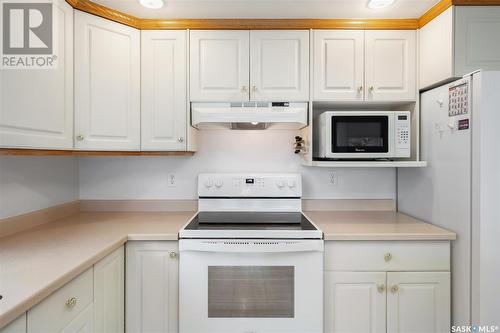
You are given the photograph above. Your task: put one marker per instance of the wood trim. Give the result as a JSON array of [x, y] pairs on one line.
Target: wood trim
[[104, 12], [43, 152], [277, 24], [15, 224], [476, 2], [434, 12]]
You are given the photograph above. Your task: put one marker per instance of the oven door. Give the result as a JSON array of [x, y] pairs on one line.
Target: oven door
[[251, 286], [361, 136]]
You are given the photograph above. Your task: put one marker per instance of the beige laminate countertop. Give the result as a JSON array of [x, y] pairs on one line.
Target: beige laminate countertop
[[35, 263], [375, 225]]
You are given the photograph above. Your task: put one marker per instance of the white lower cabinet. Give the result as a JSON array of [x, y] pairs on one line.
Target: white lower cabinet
[[152, 291], [355, 302], [380, 294], [16, 326], [83, 323], [62, 311], [109, 293], [418, 302]]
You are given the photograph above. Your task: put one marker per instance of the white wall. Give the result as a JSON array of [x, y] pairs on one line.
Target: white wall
[[225, 151], [32, 183]]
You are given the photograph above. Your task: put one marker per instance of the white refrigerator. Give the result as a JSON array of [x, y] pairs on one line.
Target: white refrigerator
[[460, 188]]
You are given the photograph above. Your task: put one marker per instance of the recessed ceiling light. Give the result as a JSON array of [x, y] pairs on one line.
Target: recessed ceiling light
[[377, 4], [152, 4]]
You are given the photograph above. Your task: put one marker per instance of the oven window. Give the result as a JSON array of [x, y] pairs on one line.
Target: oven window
[[360, 134], [250, 291]]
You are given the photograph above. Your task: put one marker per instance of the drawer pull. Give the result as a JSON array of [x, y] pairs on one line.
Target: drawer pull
[[387, 257], [381, 288], [394, 289], [173, 255], [71, 302]]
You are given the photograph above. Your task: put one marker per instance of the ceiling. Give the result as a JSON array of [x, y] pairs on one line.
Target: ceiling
[[270, 9]]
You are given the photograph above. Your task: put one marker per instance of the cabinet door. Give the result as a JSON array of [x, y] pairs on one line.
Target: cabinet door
[[36, 106], [418, 302], [338, 65], [109, 290], [163, 90], [355, 302], [83, 323], [279, 65], [152, 287], [436, 35], [107, 84], [476, 39], [16, 326], [390, 65], [219, 65]]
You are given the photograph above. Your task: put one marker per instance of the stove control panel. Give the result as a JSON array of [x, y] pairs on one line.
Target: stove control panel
[[266, 185]]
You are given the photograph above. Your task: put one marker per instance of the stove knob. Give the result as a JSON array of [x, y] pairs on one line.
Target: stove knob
[[209, 183], [280, 183], [291, 183], [218, 183]]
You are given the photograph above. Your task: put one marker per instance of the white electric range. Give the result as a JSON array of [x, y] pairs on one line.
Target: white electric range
[[250, 261]]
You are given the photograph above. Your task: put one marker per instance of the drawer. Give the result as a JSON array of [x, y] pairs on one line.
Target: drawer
[[387, 256], [57, 310]]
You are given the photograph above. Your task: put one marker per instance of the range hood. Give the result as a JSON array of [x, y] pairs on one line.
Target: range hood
[[249, 115]]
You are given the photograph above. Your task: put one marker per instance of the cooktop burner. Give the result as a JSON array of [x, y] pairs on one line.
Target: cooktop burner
[[250, 221]]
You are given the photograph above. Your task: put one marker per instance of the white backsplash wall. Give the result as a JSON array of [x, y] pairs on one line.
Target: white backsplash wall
[[226, 151], [31, 183]]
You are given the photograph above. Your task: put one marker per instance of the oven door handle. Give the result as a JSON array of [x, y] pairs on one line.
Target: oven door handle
[[251, 246]]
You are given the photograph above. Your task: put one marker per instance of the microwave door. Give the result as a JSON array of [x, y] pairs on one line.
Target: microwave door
[[360, 136]]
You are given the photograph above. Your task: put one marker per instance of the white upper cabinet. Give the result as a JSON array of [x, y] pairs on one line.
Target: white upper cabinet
[[36, 106], [436, 35], [279, 65], [418, 302], [219, 62], [355, 302], [390, 65], [107, 84], [467, 40], [338, 65], [163, 90]]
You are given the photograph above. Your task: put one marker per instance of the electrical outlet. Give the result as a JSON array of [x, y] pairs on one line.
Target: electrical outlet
[[333, 178], [171, 180]]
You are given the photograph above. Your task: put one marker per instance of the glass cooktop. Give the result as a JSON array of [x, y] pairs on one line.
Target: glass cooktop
[[250, 221]]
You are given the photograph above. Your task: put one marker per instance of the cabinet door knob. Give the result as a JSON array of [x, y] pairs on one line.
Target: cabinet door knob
[[244, 89], [173, 255], [80, 137], [381, 288], [360, 88], [371, 89], [71, 302], [180, 139], [394, 289], [387, 257], [254, 88]]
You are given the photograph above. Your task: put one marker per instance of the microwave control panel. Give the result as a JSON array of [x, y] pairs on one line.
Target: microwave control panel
[[402, 123]]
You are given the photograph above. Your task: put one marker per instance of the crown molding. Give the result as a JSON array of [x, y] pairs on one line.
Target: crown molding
[[260, 24]]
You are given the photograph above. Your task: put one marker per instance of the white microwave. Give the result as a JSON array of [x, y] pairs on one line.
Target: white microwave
[[364, 135]]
